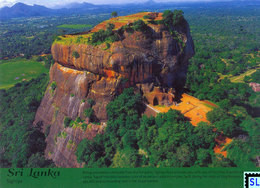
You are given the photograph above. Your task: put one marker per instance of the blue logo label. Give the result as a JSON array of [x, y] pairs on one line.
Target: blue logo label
[[251, 179]]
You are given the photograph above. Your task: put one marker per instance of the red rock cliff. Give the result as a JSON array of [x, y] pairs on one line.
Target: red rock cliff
[[137, 59]]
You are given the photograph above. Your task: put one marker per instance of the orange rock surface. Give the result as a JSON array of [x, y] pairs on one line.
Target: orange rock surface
[[123, 20], [190, 107], [222, 141]]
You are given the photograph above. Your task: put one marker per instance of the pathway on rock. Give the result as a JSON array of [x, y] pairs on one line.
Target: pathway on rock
[[157, 111]]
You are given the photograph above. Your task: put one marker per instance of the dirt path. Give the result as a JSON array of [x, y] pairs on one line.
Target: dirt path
[[241, 77], [157, 111]]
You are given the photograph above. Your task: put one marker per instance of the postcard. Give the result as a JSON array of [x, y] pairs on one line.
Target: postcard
[[129, 93]]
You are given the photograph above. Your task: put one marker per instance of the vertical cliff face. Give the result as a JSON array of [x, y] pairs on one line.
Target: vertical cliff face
[[83, 71]]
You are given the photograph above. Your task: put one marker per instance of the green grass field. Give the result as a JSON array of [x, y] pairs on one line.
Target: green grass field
[[19, 69], [74, 26]]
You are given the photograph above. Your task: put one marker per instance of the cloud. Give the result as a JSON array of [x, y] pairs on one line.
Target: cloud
[[7, 2], [53, 3]]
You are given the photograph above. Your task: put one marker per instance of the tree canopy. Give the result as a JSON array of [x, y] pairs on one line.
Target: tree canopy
[[114, 14]]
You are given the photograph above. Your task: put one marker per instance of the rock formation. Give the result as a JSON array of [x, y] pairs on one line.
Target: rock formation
[[144, 60]]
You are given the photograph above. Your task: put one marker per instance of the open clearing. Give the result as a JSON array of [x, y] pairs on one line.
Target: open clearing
[[241, 77], [19, 69], [74, 26]]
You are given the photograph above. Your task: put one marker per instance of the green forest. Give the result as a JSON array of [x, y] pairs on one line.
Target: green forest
[[169, 139], [226, 60], [21, 144]]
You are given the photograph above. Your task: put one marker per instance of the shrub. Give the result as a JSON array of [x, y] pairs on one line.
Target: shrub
[[124, 80], [107, 46], [75, 54], [72, 95], [109, 27], [146, 17], [84, 126], [67, 122], [127, 28], [91, 102], [79, 39], [103, 36], [78, 120], [98, 37], [58, 38], [172, 18], [53, 85], [39, 58], [177, 17], [113, 38], [89, 112], [64, 134], [167, 18], [114, 14], [139, 25], [47, 131]]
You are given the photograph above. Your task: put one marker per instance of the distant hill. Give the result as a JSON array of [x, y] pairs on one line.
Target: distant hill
[[23, 10], [79, 5]]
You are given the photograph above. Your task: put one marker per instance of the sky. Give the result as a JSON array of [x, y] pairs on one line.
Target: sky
[[53, 3]]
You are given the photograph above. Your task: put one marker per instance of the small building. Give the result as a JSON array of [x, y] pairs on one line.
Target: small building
[[159, 96]]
